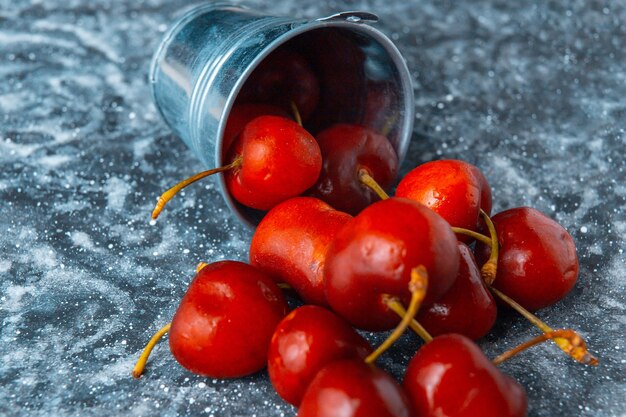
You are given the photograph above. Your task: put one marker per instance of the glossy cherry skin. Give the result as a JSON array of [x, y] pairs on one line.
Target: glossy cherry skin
[[279, 160], [537, 262], [468, 308], [456, 190], [451, 377], [291, 241], [283, 77], [374, 253], [351, 388], [243, 113], [225, 321], [308, 339], [345, 150]]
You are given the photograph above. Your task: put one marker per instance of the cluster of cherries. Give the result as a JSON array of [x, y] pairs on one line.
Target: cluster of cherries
[[430, 258]]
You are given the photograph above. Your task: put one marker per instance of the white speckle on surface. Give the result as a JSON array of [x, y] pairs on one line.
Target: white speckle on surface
[[83, 240], [12, 298], [117, 190]]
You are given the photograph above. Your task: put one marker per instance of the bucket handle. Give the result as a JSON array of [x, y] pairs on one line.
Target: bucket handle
[[351, 16]]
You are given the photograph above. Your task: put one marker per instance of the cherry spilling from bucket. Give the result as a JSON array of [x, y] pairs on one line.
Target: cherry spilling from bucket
[[364, 260], [359, 165], [225, 321], [303, 343], [271, 160], [291, 242]]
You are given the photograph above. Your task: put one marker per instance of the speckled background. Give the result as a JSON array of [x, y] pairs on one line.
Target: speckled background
[[531, 92]]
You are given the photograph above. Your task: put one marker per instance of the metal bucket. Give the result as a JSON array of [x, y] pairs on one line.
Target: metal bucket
[[207, 56]]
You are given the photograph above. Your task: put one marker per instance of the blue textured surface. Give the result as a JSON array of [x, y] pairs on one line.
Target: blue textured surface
[[533, 93]]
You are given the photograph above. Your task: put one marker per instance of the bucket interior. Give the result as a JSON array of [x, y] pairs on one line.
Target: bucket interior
[[356, 78]]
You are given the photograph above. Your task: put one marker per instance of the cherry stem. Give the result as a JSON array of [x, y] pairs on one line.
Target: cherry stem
[[296, 113], [578, 346], [200, 266], [367, 180], [284, 286], [565, 345], [141, 362], [396, 306], [417, 286], [169, 194], [478, 236], [490, 269], [389, 124]]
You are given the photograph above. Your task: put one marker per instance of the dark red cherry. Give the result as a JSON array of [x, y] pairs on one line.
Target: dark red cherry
[[308, 339], [291, 243], [373, 254], [451, 377], [381, 106], [537, 262], [284, 77], [346, 150], [340, 69], [243, 113], [456, 190], [467, 308], [351, 388], [225, 321], [279, 160]]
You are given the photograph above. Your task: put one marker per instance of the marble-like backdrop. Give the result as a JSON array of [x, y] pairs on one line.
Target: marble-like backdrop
[[531, 92]]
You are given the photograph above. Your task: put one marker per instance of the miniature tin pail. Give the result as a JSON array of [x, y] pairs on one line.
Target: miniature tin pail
[[207, 55]]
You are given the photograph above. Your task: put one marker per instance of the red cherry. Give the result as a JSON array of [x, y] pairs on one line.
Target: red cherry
[[373, 254], [351, 388], [272, 160], [284, 77], [346, 150], [225, 321], [380, 107], [537, 262], [451, 377], [291, 243], [279, 160], [467, 308], [241, 114], [305, 341], [456, 190]]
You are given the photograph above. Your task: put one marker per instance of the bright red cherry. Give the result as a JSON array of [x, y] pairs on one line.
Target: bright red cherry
[[347, 151], [467, 308], [537, 262], [451, 377], [308, 339], [243, 113], [279, 160], [456, 190], [284, 77], [372, 257], [351, 388], [273, 159], [291, 243], [225, 321]]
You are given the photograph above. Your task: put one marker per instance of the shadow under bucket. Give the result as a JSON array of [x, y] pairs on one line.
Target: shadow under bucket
[[207, 57]]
